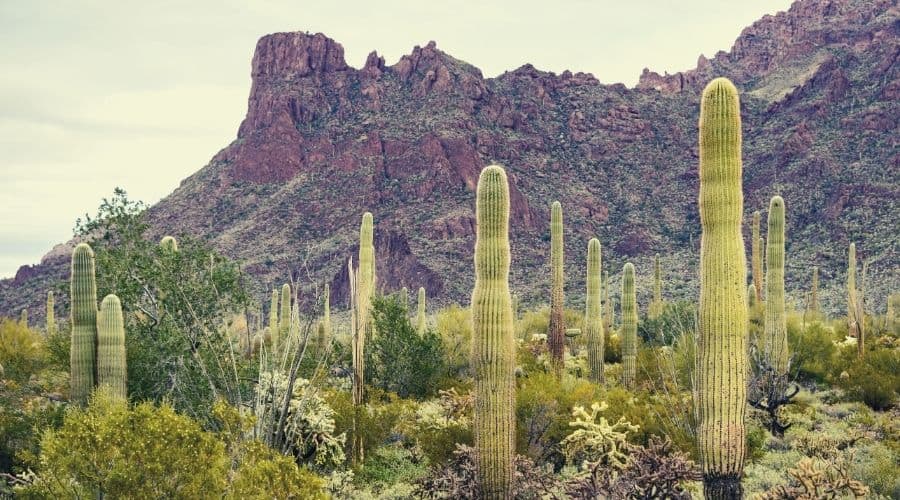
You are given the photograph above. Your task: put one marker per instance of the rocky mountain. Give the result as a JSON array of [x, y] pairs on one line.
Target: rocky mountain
[[323, 142]]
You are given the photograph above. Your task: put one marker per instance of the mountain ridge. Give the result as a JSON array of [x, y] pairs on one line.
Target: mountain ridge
[[323, 142]]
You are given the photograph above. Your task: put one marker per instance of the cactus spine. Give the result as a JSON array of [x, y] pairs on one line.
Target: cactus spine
[[169, 243], [51, 315], [723, 322], [775, 326], [111, 363], [82, 354], [420, 317], [756, 257], [284, 319], [556, 337], [593, 315], [493, 348], [813, 305], [629, 327]]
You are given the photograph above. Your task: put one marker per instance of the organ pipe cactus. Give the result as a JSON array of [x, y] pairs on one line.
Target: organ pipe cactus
[[420, 317], [111, 363], [629, 327], [722, 357], [756, 257], [493, 348], [83, 349], [556, 335], [775, 331], [593, 314], [51, 314]]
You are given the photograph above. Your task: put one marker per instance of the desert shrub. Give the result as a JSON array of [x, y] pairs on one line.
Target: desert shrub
[[398, 359], [874, 380], [456, 479], [812, 349], [612, 347], [22, 351], [264, 473], [454, 325], [875, 465], [813, 479], [114, 450], [659, 414], [389, 465], [379, 422], [441, 424], [535, 322], [675, 319]]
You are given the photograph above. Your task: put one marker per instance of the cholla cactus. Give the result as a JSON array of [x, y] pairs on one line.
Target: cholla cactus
[[556, 340], [493, 345], [593, 315], [629, 327], [775, 325], [420, 316], [595, 440], [82, 352], [723, 323], [111, 363]]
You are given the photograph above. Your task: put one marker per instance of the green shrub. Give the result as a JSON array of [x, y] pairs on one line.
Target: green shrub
[[389, 465], [875, 379], [454, 325]]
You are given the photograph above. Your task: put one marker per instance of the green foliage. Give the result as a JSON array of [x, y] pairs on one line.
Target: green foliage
[[420, 314], [389, 465], [21, 351], [398, 359], [454, 325], [442, 424], [263, 473], [157, 458], [377, 422], [672, 321], [873, 380]]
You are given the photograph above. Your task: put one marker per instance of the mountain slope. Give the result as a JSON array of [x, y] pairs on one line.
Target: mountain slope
[[323, 142]]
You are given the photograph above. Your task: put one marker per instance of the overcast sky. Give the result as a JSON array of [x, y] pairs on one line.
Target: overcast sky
[[95, 95]]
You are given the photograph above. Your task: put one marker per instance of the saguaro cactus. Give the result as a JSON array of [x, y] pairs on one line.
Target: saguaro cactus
[[608, 308], [852, 301], [404, 298], [169, 243], [751, 296], [593, 314], [493, 348], [756, 256], [273, 316], [775, 326], [284, 318], [420, 317], [362, 292], [51, 314], [814, 291], [656, 307], [722, 351], [111, 363], [325, 338], [556, 337], [82, 353], [629, 327]]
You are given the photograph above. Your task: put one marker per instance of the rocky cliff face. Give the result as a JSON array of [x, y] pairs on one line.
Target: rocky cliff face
[[323, 142]]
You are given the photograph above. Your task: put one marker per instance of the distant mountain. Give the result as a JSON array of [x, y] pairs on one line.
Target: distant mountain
[[323, 142]]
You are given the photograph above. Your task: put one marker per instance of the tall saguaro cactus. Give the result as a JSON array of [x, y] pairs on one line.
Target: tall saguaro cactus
[[814, 292], [657, 306], [51, 314], [756, 256], [83, 350], [629, 327], [362, 292], [493, 348], [853, 309], [775, 326], [593, 314], [722, 351], [404, 298], [111, 363], [273, 316], [556, 337], [420, 316], [608, 309], [284, 318]]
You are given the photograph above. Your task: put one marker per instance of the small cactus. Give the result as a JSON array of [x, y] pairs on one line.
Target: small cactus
[[84, 324], [493, 347], [169, 243], [404, 298], [111, 363], [629, 327]]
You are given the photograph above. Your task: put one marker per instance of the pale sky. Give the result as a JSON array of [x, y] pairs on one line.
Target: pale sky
[[95, 95]]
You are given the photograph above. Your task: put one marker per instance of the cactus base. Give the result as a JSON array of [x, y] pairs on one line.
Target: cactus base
[[722, 488]]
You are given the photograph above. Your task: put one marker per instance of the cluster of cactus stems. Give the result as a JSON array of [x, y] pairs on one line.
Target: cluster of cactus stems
[[756, 257], [593, 314], [775, 332], [723, 322], [629, 327], [556, 336], [493, 347], [97, 351], [420, 316], [51, 314]]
